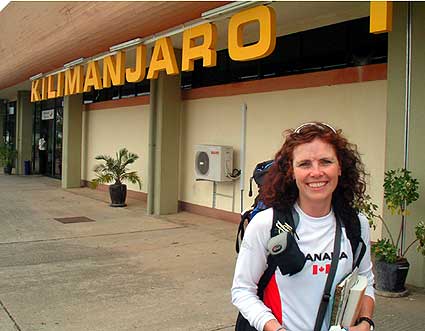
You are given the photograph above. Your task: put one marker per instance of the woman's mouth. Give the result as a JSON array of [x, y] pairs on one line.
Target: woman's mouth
[[317, 184]]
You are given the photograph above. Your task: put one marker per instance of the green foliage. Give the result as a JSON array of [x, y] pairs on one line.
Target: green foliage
[[369, 209], [7, 154], [385, 250], [115, 169], [400, 190], [420, 234]]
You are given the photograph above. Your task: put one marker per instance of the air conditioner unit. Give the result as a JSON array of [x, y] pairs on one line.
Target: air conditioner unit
[[213, 162]]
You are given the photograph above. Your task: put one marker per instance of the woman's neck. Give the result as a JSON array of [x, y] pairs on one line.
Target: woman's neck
[[315, 209]]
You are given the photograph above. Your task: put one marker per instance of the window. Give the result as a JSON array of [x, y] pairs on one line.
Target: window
[[9, 123], [335, 46]]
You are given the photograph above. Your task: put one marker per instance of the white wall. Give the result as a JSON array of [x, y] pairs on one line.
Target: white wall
[[106, 131], [359, 109]]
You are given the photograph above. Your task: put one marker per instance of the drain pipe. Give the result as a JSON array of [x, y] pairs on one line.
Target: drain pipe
[[152, 147], [244, 110], [407, 107]]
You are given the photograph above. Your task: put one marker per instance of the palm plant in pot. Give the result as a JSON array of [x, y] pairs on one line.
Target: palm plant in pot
[[7, 157], [391, 265], [115, 170]]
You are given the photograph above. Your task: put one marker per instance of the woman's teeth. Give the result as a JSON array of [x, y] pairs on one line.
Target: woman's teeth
[[315, 185]]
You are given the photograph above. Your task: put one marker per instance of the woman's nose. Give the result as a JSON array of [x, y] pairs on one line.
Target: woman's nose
[[316, 170]]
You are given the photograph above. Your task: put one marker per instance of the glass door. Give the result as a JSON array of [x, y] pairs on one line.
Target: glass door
[[57, 171], [47, 138]]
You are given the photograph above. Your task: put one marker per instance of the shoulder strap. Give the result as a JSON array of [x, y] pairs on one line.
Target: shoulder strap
[[359, 253], [327, 291], [282, 216], [241, 229], [358, 246], [271, 262]]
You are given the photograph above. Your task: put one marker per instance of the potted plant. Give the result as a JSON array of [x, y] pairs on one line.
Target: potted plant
[[7, 157], [391, 265], [115, 170]]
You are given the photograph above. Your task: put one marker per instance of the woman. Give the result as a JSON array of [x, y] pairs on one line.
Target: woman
[[319, 174]]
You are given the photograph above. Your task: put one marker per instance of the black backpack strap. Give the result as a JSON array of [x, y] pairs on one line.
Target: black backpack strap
[[359, 253], [358, 246], [271, 262], [241, 323], [291, 260], [245, 217], [327, 291]]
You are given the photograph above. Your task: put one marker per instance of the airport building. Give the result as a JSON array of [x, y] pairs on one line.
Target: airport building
[[177, 82]]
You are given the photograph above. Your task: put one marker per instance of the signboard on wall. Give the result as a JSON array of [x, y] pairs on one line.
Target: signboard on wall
[[47, 114], [82, 75]]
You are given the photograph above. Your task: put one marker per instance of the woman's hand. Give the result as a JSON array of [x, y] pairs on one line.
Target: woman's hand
[[363, 326], [273, 325]]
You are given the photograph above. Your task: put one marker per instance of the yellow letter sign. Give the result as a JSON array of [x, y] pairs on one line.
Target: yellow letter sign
[[92, 77], [163, 58], [51, 93], [266, 18], [381, 16], [74, 79], [113, 69], [138, 73], [206, 51], [60, 86], [35, 90]]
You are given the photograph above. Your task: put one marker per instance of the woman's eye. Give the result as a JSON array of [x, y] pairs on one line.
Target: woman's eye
[[326, 162], [304, 164]]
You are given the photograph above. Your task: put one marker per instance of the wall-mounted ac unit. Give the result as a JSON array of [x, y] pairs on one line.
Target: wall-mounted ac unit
[[213, 162]]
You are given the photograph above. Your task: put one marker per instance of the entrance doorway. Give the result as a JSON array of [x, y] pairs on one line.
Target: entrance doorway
[[47, 138]]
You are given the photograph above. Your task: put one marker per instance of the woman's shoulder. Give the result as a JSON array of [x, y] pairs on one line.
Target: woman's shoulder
[[363, 219], [262, 220], [364, 224]]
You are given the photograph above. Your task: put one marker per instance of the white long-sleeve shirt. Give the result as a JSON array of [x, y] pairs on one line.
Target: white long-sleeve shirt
[[300, 294]]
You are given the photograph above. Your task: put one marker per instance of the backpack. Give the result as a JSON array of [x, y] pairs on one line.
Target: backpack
[[258, 176], [290, 259]]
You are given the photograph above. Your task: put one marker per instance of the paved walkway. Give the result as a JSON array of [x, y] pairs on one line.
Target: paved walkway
[[125, 270]]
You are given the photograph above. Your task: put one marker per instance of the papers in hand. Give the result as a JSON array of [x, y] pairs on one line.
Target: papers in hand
[[347, 298]]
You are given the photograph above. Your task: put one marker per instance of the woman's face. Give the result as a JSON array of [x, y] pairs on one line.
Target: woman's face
[[316, 171]]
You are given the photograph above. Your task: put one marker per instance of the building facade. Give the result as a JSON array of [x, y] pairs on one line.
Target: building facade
[[323, 64]]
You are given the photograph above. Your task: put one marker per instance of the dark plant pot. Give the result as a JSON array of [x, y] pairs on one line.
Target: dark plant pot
[[7, 169], [118, 193], [391, 277]]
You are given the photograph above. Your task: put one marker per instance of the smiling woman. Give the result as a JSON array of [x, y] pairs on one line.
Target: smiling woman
[[317, 175], [316, 171]]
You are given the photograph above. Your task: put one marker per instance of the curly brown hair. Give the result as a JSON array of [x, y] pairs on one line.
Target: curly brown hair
[[280, 190]]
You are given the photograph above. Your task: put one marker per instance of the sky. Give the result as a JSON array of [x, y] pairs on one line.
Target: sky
[[3, 3]]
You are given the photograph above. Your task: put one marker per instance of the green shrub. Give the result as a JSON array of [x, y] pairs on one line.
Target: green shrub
[[400, 190], [115, 169]]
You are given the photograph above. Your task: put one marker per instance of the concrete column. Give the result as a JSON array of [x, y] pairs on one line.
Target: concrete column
[[164, 128], [72, 140], [24, 115], [395, 120]]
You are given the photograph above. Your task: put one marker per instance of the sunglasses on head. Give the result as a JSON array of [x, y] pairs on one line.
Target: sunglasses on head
[[322, 126]]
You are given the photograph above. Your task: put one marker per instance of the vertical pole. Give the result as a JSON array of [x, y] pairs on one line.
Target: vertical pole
[[244, 109], [152, 147], [214, 194], [407, 108]]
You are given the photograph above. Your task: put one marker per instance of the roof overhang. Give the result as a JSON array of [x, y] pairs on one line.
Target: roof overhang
[[42, 36]]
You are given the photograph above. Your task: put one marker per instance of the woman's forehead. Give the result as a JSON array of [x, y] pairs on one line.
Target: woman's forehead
[[315, 149]]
